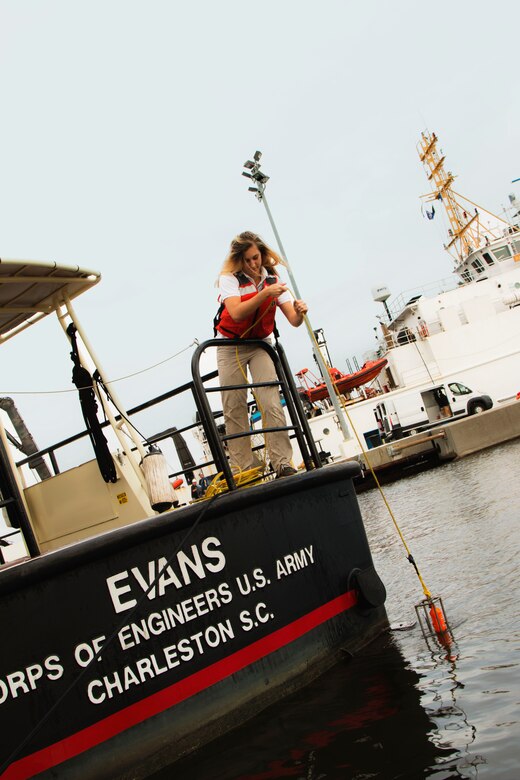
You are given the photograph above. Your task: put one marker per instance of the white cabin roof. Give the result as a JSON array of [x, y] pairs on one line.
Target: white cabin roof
[[30, 290]]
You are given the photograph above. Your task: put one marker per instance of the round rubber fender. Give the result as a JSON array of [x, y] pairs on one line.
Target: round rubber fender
[[370, 588]]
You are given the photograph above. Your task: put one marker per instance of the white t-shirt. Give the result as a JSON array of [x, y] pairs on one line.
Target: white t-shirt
[[229, 287]]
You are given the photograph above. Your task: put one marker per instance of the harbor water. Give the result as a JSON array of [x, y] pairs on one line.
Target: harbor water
[[405, 708]]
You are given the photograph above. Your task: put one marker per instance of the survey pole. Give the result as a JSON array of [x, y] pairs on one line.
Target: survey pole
[[252, 171]]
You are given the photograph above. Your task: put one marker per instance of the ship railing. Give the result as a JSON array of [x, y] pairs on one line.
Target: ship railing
[[186, 472], [406, 335], [408, 297], [53, 450], [212, 422], [299, 426], [11, 501]]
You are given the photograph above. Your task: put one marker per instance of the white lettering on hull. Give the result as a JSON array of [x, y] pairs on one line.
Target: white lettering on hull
[[154, 577], [295, 561], [24, 681], [118, 682], [157, 623]]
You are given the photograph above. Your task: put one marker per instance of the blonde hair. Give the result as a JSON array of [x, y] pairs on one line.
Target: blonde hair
[[234, 261]]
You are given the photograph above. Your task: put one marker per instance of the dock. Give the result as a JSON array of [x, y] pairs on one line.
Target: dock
[[440, 444]]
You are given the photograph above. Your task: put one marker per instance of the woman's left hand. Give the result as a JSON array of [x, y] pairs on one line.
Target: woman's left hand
[[295, 311], [300, 307]]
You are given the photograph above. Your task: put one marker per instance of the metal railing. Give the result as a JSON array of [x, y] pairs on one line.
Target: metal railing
[[208, 419], [408, 297], [299, 425]]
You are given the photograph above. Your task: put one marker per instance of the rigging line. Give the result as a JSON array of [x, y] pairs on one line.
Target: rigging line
[[446, 225], [423, 360], [410, 557], [247, 478], [195, 342], [100, 384], [109, 641], [481, 209]]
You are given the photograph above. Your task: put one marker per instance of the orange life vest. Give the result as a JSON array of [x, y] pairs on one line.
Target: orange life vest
[[260, 324]]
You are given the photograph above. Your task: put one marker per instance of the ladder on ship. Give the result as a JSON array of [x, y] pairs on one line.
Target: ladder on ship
[[299, 425]]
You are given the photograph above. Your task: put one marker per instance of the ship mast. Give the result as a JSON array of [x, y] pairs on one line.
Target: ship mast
[[467, 231]]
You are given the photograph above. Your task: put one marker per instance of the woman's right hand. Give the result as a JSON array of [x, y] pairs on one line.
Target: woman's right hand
[[275, 290]]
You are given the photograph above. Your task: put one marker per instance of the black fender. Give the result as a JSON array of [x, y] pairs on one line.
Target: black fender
[[369, 586]]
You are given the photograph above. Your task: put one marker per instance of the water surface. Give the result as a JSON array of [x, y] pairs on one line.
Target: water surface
[[403, 709]]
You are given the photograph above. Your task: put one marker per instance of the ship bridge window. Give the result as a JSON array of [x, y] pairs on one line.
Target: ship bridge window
[[477, 265], [458, 389], [502, 252], [516, 245], [466, 276], [487, 257]]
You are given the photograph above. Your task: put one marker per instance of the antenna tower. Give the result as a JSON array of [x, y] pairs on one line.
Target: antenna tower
[[467, 231]]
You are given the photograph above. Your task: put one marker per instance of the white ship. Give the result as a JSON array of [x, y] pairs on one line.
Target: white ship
[[457, 332]]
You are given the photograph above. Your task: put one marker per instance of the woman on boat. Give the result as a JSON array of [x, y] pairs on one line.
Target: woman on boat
[[250, 293]]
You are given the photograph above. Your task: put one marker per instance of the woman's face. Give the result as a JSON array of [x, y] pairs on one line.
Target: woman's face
[[253, 261]]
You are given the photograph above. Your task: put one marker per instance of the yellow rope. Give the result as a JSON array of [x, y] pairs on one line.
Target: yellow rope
[[219, 485], [244, 374], [246, 477], [369, 464], [242, 478]]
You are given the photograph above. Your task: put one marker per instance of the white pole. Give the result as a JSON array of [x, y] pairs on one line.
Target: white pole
[[317, 352]]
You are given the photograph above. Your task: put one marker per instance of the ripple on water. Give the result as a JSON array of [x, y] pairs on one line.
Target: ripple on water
[[460, 522], [401, 709]]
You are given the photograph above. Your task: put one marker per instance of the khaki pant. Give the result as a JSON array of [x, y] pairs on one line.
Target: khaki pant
[[234, 404]]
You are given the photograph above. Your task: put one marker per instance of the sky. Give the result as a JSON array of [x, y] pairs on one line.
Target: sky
[[125, 126]]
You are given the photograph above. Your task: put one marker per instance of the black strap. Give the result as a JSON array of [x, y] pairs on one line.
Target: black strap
[[216, 319], [83, 381]]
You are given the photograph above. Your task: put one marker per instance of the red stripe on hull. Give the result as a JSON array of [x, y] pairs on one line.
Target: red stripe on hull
[[162, 700]]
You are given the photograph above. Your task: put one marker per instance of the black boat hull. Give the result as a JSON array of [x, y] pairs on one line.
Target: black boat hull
[[200, 618]]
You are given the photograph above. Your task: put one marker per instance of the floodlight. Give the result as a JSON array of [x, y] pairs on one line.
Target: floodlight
[[249, 164], [245, 173], [257, 156]]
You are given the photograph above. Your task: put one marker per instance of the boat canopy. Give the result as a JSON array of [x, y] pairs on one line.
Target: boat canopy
[[30, 290]]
